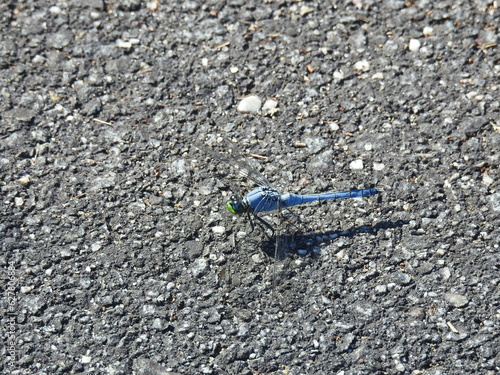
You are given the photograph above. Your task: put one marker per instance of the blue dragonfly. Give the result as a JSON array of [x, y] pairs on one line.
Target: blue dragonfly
[[265, 198]]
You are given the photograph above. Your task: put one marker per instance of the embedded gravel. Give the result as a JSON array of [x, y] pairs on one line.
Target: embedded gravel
[[118, 255]]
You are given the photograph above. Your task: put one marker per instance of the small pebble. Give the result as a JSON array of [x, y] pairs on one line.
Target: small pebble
[[123, 44], [362, 66], [85, 359], [25, 180], [338, 75], [378, 76], [487, 180], [302, 252], [381, 289], [356, 165], [157, 324], [152, 5], [250, 104], [256, 258], [199, 267], [417, 312], [471, 95], [334, 126], [55, 10], [38, 59], [378, 166], [270, 106], [428, 31], [65, 253], [218, 229], [495, 202], [304, 9], [414, 45], [96, 246], [18, 201], [456, 300], [401, 278]]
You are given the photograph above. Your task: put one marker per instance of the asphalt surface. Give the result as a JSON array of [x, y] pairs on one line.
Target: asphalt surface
[[118, 255]]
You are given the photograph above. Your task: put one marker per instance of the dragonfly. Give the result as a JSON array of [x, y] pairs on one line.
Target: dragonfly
[[265, 198]]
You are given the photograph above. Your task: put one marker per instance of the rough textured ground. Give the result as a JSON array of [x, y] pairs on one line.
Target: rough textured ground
[[113, 256]]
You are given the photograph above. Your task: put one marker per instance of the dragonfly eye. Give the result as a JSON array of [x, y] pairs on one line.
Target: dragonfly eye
[[235, 205]]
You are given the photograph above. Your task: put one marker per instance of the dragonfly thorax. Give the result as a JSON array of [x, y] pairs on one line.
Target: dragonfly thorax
[[236, 206]]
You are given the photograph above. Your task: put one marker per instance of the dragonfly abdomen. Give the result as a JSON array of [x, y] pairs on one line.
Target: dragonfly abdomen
[[290, 200]]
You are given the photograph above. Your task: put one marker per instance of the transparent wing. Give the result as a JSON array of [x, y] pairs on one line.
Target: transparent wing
[[284, 229], [240, 168], [236, 163]]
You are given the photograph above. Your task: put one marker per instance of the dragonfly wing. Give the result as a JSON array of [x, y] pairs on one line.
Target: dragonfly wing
[[236, 163]]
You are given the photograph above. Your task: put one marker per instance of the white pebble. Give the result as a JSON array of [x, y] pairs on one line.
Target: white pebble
[[25, 180], [270, 106], [86, 359], [471, 95], [368, 147], [428, 31], [362, 66], [26, 289], [340, 255], [356, 165], [445, 273], [38, 59], [199, 267], [65, 253], [334, 126], [241, 234], [152, 5], [414, 45], [234, 69], [256, 258], [250, 104], [305, 10], [338, 75], [487, 180], [378, 166], [55, 10], [18, 201], [378, 76], [381, 289], [218, 229], [96, 246], [455, 299], [123, 44]]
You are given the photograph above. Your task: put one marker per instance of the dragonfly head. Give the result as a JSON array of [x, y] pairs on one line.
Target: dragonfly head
[[236, 206]]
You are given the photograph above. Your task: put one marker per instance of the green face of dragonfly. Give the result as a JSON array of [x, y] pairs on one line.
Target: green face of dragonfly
[[236, 206]]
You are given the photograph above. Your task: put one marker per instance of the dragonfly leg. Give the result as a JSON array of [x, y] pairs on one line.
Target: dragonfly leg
[[251, 221], [266, 224]]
